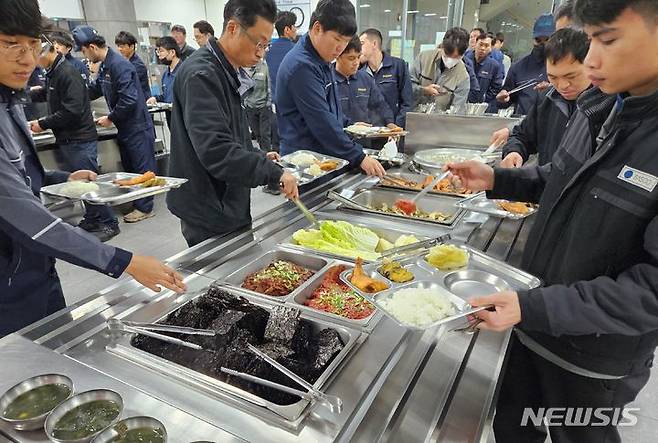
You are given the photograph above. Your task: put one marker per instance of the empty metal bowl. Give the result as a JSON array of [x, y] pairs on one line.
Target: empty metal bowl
[[75, 401], [21, 388], [121, 428], [473, 283]]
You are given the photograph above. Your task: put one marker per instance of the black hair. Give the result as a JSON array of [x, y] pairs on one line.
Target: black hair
[[480, 30], [484, 36], [597, 12], [168, 43], [335, 15], [500, 37], [21, 17], [204, 27], [374, 34], [455, 39], [62, 39], [353, 45], [566, 42], [125, 38], [284, 19], [179, 28], [565, 10], [97, 40], [247, 11]]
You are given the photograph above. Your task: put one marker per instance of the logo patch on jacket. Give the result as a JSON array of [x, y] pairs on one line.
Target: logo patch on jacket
[[387, 75], [362, 89], [638, 178]]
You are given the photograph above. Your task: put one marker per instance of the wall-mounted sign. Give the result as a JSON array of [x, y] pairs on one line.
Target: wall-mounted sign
[[301, 8]]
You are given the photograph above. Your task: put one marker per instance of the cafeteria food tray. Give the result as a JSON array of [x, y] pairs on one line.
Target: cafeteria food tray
[[301, 171], [434, 159], [480, 203], [482, 275], [110, 194], [412, 177], [375, 197], [359, 131], [399, 159]]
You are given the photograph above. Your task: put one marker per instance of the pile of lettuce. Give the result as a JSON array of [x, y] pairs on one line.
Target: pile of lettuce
[[346, 240]]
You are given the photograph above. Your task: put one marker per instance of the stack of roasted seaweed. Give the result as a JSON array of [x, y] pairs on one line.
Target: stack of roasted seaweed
[[281, 334]]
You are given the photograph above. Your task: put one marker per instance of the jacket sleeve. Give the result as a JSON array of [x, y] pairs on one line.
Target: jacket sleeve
[[415, 79], [524, 136], [510, 82], [461, 94], [496, 84], [72, 104], [474, 95], [521, 184], [378, 109], [311, 103], [126, 85], [143, 77], [94, 88], [626, 305], [27, 221], [406, 96], [55, 177], [38, 95], [209, 128]]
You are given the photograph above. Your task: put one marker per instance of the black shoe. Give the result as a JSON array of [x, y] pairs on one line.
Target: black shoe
[[273, 191], [107, 232], [90, 226]]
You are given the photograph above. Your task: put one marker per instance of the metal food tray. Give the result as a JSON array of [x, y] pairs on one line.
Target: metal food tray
[[427, 160], [310, 262], [378, 134], [418, 178], [289, 416], [437, 203], [301, 169], [386, 233], [111, 194], [480, 203], [400, 159], [482, 275]]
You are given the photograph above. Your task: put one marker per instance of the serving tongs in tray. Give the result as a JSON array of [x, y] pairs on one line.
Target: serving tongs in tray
[[422, 246], [333, 195], [114, 324]]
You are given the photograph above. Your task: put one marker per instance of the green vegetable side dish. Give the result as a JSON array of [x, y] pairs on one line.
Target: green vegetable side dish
[[86, 420], [36, 402], [140, 435]]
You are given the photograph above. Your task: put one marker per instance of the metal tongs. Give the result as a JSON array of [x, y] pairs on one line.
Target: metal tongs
[[333, 195], [332, 402], [308, 214], [525, 84], [423, 244], [114, 324]]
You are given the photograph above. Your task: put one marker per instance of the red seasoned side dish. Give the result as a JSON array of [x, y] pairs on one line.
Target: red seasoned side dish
[[277, 279], [336, 297]]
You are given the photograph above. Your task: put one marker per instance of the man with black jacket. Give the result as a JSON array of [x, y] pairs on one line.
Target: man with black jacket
[[210, 141], [587, 338], [542, 129], [71, 121]]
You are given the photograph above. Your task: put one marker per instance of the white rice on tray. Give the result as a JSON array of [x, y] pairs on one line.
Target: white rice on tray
[[418, 307]]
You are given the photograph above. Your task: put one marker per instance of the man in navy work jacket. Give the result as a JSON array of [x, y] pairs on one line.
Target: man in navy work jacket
[[169, 55], [585, 341], [64, 45], [127, 44], [487, 70], [360, 98], [287, 32], [532, 67], [31, 237], [117, 81], [308, 109], [391, 74]]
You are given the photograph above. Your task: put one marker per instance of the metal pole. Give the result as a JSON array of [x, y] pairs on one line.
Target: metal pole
[[405, 7]]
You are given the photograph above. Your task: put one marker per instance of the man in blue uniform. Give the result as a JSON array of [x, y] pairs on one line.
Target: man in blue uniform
[[169, 55], [64, 45], [391, 74], [127, 44], [532, 67], [487, 70], [31, 238], [360, 98], [308, 108], [117, 81], [287, 32]]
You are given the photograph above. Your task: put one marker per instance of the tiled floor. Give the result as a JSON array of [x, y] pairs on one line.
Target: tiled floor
[[160, 237]]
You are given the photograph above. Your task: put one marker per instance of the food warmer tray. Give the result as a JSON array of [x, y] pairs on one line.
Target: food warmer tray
[[480, 203], [418, 178], [113, 195], [300, 171]]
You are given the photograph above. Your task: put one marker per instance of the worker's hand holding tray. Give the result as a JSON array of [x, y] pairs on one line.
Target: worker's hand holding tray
[[362, 131], [497, 208], [114, 188]]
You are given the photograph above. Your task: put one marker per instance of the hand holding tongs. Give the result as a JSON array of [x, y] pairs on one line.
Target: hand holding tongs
[[334, 403], [525, 84], [114, 324]]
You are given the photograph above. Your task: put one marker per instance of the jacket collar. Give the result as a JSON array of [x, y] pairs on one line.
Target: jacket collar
[[216, 49], [56, 63], [340, 78], [308, 45], [387, 61], [598, 105], [12, 96]]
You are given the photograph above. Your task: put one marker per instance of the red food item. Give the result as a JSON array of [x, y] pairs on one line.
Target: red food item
[[406, 206], [336, 297]]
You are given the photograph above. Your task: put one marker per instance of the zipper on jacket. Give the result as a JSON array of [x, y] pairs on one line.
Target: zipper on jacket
[[18, 265]]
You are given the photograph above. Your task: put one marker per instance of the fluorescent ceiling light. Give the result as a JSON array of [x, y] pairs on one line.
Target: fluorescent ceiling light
[[387, 10], [412, 12], [445, 17], [365, 5], [431, 14]]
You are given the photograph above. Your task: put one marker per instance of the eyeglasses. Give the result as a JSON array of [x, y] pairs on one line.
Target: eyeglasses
[[260, 46], [16, 51]]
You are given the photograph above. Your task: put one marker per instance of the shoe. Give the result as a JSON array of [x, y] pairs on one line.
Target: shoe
[[90, 226], [107, 232], [136, 216], [272, 191]]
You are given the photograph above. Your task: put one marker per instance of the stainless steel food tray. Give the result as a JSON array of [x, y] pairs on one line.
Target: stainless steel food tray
[[434, 159], [418, 178], [289, 416], [111, 194], [301, 170], [375, 132], [308, 261], [437, 203], [480, 203], [386, 233], [400, 159]]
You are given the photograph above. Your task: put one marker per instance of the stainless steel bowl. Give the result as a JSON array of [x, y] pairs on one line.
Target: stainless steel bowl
[[127, 424], [74, 402], [21, 388], [474, 283]]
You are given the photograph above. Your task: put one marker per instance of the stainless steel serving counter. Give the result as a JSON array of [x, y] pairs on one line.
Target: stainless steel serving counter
[[397, 385]]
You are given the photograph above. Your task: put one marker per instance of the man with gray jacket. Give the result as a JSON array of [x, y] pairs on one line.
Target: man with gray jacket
[[586, 340]]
